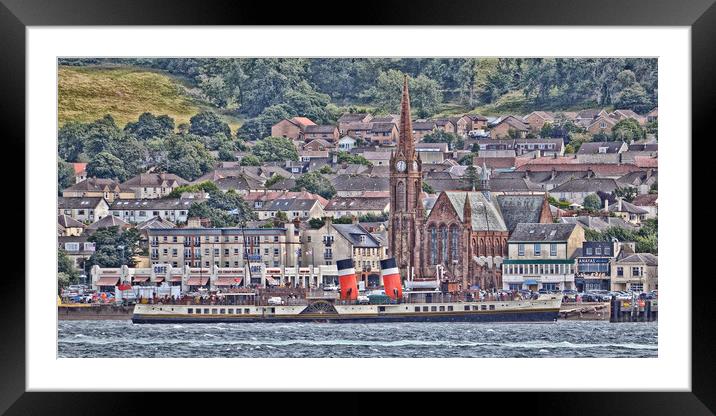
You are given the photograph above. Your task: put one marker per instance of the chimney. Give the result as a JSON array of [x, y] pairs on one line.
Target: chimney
[[527, 173], [619, 206], [328, 221], [554, 173], [649, 172], [606, 204], [354, 219]]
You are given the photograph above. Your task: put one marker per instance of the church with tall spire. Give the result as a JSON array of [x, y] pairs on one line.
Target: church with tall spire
[[406, 201]]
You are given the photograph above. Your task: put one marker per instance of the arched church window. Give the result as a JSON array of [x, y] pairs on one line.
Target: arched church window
[[443, 244], [433, 245], [454, 243]]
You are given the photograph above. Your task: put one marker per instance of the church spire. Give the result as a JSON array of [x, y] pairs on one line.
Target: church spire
[[406, 124], [467, 210]]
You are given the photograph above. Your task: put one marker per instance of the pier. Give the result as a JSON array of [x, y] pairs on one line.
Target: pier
[[636, 310]]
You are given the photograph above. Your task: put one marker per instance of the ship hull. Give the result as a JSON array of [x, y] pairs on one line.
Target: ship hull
[[521, 316], [498, 311]]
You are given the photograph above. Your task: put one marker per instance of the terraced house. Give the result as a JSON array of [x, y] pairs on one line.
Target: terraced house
[[224, 247], [153, 185], [542, 256], [136, 211]]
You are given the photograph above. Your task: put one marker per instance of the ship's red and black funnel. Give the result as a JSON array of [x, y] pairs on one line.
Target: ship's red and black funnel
[[347, 279], [391, 278]]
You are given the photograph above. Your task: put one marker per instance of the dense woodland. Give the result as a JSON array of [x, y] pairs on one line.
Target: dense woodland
[[264, 90]]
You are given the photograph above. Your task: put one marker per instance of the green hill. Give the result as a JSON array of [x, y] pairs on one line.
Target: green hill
[[88, 93]]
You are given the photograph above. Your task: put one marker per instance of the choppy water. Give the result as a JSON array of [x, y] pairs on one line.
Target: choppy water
[[257, 340]]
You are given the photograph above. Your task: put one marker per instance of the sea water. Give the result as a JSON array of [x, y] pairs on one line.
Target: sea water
[[375, 340]]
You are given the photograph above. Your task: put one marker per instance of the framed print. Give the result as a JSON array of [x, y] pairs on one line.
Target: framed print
[[401, 207]]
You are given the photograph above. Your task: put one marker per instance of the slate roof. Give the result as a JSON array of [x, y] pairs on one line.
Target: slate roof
[[288, 204], [155, 223], [640, 258], [529, 232], [242, 182], [142, 204], [598, 223], [155, 179], [644, 147], [360, 182], [95, 184], [639, 177], [423, 125], [323, 128], [427, 147], [517, 209], [514, 122], [357, 125], [357, 203], [512, 185], [587, 185], [78, 203], [485, 215], [382, 127], [68, 222], [283, 184], [589, 113], [627, 207], [108, 221], [592, 148], [353, 233]]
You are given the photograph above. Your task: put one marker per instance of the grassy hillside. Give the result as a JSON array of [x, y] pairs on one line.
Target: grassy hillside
[[88, 93]]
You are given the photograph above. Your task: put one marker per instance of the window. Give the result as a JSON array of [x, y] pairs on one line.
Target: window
[[213, 311], [467, 307], [620, 271], [231, 311], [246, 310], [425, 308], [417, 309], [190, 310], [636, 287], [553, 249], [197, 310], [492, 307], [433, 309], [520, 249], [442, 308], [275, 252], [174, 252], [222, 311], [598, 251], [607, 251], [206, 311], [636, 271], [216, 252], [483, 307], [589, 251], [538, 249]]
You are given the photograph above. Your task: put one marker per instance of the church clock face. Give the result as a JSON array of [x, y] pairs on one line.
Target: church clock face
[[400, 166]]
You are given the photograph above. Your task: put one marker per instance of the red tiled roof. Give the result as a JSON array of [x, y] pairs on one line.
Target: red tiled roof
[[79, 167], [645, 200], [646, 161], [495, 162], [304, 121]]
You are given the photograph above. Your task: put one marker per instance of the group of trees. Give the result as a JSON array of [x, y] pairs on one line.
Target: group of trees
[[266, 90], [223, 209], [646, 237], [151, 141], [453, 141], [114, 247]]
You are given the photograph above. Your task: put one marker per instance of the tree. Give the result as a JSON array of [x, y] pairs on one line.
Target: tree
[[326, 170], [345, 157], [71, 141], [627, 193], [250, 160], [65, 175], [315, 183], [316, 223], [386, 93], [66, 272], [471, 178], [652, 127], [223, 209], [454, 142], [346, 219], [108, 247], [148, 125], [592, 202], [187, 157], [427, 188], [627, 130], [106, 165], [206, 186], [260, 126], [277, 149], [208, 123], [226, 153], [569, 149]]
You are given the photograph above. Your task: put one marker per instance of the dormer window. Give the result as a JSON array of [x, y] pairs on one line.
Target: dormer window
[[603, 149], [603, 125]]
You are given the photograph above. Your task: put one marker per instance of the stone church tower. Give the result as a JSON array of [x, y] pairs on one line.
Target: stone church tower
[[407, 216]]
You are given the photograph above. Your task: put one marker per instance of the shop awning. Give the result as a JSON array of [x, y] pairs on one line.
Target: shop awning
[[161, 279], [140, 278], [271, 280], [530, 282], [175, 279], [197, 281], [227, 281], [108, 281]]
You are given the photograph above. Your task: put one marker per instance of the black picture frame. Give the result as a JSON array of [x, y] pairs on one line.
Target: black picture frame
[[16, 15]]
